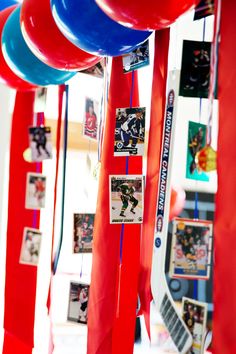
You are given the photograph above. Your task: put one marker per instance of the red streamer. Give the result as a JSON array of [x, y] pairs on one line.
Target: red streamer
[[224, 341], [153, 158], [20, 288], [104, 329]]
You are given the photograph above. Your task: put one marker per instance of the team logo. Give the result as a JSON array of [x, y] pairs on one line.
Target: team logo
[[159, 223], [119, 145], [158, 242], [171, 98]]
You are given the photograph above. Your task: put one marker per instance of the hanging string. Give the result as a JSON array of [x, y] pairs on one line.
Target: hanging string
[[123, 226], [213, 70], [57, 256]]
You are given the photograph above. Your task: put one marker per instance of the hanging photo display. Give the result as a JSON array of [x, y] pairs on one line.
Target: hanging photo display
[[130, 131], [191, 249], [30, 248], [78, 302], [40, 99], [83, 233], [196, 142], [96, 70], [90, 125], [195, 69], [35, 191], [40, 139], [126, 199], [195, 316], [203, 9], [138, 58]]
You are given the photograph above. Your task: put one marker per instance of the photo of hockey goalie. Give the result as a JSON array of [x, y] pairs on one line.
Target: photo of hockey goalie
[[138, 58], [129, 131], [191, 248], [78, 303], [126, 199]]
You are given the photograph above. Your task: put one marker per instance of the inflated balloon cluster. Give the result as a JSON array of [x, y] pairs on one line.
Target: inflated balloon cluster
[[46, 42]]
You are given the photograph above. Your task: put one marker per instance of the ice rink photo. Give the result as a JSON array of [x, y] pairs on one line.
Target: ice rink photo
[[40, 143], [126, 199], [35, 191], [78, 303]]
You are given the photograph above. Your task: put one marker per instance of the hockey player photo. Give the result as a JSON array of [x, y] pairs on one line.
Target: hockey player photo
[[194, 314], [191, 249], [35, 191], [195, 69], [83, 233], [138, 58], [78, 303], [196, 142], [90, 125], [30, 248], [129, 131], [96, 70], [40, 143], [126, 199], [203, 9]]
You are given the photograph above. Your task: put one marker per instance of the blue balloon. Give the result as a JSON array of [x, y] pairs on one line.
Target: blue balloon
[[6, 3], [84, 24], [22, 61]]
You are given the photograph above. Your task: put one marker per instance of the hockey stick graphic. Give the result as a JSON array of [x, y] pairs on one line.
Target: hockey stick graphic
[[161, 294]]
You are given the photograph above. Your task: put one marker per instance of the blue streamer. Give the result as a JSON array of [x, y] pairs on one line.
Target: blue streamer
[[65, 142]]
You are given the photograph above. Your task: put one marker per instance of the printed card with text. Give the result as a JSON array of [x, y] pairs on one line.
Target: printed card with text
[[30, 248], [78, 303]]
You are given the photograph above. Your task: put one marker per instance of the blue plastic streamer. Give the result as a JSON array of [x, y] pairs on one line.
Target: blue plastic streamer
[[65, 143]]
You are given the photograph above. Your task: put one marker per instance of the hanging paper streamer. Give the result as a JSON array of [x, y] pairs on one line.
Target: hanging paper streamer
[[153, 164], [20, 288], [225, 217], [105, 339]]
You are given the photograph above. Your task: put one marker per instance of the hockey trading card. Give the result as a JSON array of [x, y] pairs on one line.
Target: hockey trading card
[[130, 131], [83, 233], [191, 249], [195, 316], [30, 248], [195, 69], [203, 9], [40, 100], [40, 140], [96, 70], [126, 199], [196, 142], [78, 302], [35, 191], [90, 125], [138, 58]]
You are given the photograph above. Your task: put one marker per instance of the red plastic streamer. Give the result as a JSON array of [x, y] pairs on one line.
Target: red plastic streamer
[[224, 341], [20, 288], [153, 158], [104, 329]]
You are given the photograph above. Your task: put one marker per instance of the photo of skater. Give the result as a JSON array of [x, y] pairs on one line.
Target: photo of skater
[[138, 58], [40, 143], [194, 314], [191, 249], [126, 199], [30, 248], [203, 9], [129, 131], [35, 191], [83, 233], [90, 125], [78, 303]]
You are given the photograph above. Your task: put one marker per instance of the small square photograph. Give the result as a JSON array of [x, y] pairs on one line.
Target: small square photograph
[[194, 314], [196, 142], [90, 124], [126, 199], [35, 191], [138, 58], [40, 140], [96, 70], [191, 249], [30, 248], [195, 69], [83, 233], [130, 131], [203, 9], [78, 303]]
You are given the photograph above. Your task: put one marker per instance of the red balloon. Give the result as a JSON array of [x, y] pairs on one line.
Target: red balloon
[[47, 42], [7, 76], [177, 201], [145, 15]]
